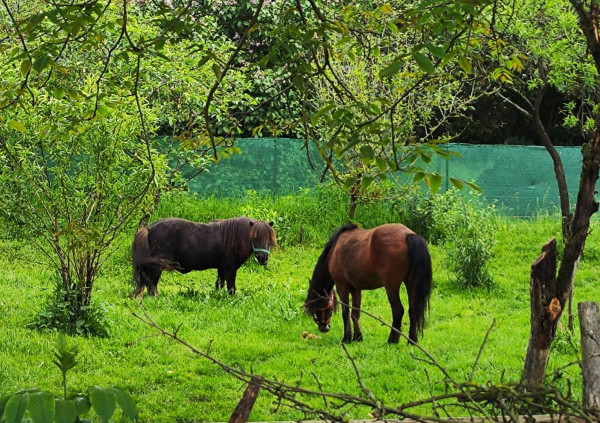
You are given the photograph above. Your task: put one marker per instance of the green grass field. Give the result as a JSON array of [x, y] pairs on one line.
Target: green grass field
[[260, 329]]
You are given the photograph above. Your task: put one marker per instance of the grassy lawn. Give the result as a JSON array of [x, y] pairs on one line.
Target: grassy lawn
[[260, 329]]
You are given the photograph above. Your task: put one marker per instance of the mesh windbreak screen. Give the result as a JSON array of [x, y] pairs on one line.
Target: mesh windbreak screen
[[519, 179]]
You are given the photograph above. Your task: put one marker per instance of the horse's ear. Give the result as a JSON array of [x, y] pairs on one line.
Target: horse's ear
[[271, 223], [251, 223]]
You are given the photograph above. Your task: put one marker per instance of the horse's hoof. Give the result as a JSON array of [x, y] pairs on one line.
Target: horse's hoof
[[346, 339], [358, 338], [393, 340]]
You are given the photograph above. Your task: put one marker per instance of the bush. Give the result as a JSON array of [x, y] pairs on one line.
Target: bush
[[61, 312], [461, 223], [468, 230]]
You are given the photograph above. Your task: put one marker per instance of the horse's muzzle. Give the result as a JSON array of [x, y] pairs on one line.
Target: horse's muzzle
[[324, 328], [261, 258]]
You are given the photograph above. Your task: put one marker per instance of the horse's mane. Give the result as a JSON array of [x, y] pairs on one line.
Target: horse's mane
[[235, 234], [321, 282]]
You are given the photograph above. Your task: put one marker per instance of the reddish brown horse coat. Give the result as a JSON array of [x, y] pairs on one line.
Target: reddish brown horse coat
[[181, 245], [358, 259]]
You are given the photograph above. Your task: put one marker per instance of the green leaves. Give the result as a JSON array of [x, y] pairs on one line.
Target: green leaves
[[41, 407], [40, 63], [104, 402], [15, 408], [390, 69], [82, 405], [465, 64], [25, 67], [298, 82], [44, 408], [423, 62], [65, 411], [434, 182], [64, 354], [126, 402], [17, 126]]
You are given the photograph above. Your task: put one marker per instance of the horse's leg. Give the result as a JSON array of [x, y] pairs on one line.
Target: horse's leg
[[151, 275], [229, 275], [140, 285], [412, 331], [344, 299], [220, 282], [393, 294], [356, 299]]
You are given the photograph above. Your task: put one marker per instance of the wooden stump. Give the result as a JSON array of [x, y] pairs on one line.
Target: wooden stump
[[545, 311], [589, 323]]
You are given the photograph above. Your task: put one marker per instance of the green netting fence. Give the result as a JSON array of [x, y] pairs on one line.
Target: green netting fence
[[519, 179]]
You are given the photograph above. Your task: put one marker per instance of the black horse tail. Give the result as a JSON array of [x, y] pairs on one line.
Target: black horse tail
[[140, 254], [420, 274]]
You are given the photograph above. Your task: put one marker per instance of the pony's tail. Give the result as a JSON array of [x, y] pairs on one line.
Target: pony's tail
[[420, 274], [141, 257], [140, 253]]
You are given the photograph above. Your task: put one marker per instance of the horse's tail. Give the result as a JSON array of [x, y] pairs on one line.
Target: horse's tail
[[140, 255], [420, 274], [143, 262]]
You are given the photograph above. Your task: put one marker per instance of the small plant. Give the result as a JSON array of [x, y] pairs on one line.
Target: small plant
[[37, 406], [62, 312]]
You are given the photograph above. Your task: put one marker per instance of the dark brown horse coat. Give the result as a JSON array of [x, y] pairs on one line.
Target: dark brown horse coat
[[181, 245], [358, 259]]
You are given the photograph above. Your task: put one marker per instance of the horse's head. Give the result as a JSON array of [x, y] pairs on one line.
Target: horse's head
[[323, 310], [262, 237]]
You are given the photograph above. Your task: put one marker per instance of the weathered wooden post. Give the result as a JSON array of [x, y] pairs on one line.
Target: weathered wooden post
[[244, 407], [589, 323]]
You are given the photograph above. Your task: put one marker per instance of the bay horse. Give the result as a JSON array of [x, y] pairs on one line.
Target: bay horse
[[182, 245], [358, 259]]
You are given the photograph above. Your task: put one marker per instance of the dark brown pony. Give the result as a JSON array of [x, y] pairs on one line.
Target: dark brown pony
[[181, 245], [356, 259]]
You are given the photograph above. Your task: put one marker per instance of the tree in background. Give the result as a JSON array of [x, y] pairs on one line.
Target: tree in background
[[388, 77]]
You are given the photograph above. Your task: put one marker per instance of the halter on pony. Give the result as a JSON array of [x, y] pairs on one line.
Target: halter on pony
[[260, 250]]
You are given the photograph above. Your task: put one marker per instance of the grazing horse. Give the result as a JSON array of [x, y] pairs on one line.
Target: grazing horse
[[181, 245], [356, 259]]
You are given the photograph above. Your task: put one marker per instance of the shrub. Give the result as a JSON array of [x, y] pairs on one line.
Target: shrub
[[468, 229], [460, 222], [61, 312]]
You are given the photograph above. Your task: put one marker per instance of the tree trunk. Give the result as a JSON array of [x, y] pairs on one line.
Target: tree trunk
[[549, 293], [354, 194], [586, 206], [571, 315], [589, 323], [559, 172], [545, 309]]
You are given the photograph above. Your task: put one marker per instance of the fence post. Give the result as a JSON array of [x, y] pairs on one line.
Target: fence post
[[589, 323], [244, 407]]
